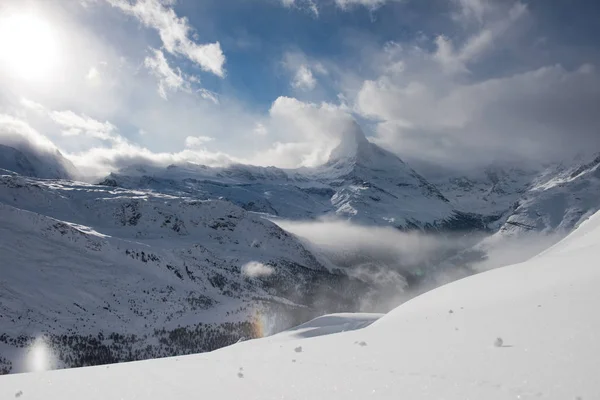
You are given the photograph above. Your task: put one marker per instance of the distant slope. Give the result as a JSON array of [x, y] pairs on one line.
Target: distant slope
[[361, 182], [28, 161], [491, 191], [557, 200], [520, 332]]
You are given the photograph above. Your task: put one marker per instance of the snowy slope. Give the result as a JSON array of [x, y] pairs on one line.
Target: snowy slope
[[558, 199], [525, 331], [28, 161], [361, 182], [490, 191], [81, 260], [373, 185]]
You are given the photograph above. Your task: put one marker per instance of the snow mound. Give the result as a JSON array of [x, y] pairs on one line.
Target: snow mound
[[330, 324], [526, 331]]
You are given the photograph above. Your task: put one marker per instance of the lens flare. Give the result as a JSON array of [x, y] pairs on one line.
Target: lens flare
[[263, 324], [39, 356]]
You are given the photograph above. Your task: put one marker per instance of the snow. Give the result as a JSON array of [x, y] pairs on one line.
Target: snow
[[83, 259], [526, 331], [30, 160], [361, 182]]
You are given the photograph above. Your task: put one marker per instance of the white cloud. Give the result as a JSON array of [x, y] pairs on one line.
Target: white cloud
[[208, 95], [303, 134], [473, 9], [493, 24], [255, 269], [17, 133], [302, 70], [74, 124], [367, 3], [260, 129], [309, 5], [97, 162], [175, 33], [168, 79], [48, 161], [539, 115], [304, 79], [32, 105], [93, 74], [197, 141]]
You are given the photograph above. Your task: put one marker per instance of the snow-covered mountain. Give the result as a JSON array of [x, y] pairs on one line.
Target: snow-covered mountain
[[490, 191], [29, 161], [557, 200], [538, 209], [520, 332], [163, 261], [361, 182], [113, 274]]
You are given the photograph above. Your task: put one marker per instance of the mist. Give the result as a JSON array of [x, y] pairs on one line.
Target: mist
[[400, 265], [394, 263]]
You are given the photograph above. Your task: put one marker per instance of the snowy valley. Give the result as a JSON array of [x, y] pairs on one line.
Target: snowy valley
[[525, 331]]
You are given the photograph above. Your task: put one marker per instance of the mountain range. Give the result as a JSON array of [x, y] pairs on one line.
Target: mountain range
[[155, 261]]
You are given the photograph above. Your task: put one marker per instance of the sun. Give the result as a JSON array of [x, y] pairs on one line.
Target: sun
[[28, 46]]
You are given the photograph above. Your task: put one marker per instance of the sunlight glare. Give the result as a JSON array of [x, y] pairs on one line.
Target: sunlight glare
[[39, 356], [28, 46]]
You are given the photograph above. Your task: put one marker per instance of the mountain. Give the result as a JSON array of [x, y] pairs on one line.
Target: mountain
[[372, 185], [361, 182], [110, 274], [159, 261], [28, 161], [490, 191], [557, 200], [541, 208], [519, 332]]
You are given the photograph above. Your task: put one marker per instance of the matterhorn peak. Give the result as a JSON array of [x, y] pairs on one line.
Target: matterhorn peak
[[353, 144]]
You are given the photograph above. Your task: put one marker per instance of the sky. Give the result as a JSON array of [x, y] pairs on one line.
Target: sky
[[446, 84]]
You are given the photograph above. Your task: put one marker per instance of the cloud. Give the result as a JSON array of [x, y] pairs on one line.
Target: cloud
[[74, 124], [446, 106], [47, 161], [168, 79], [343, 4], [473, 9], [309, 5], [260, 130], [493, 26], [544, 114], [197, 141], [304, 79], [254, 269], [93, 74], [208, 95], [382, 256], [17, 133], [32, 105], [303, 133], [175, 33], [96, 163], [372, 4], [302, 70]]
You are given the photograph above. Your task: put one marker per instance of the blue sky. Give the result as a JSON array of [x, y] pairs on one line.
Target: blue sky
[[452, 83]]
